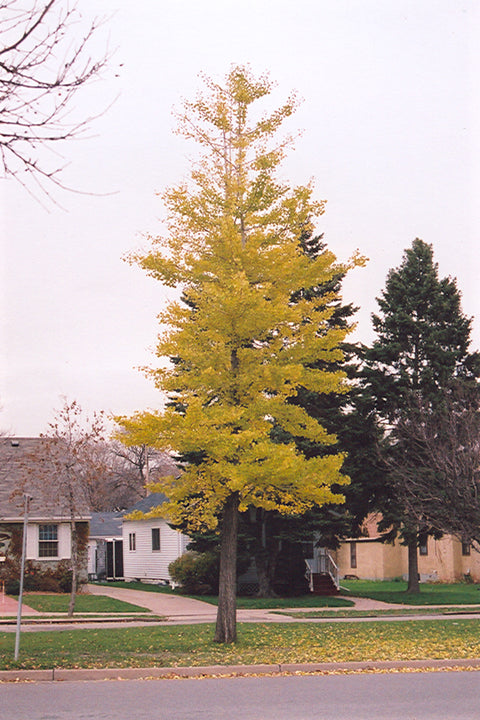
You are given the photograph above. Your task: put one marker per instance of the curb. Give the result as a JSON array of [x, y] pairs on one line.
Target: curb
[[77, 619], [212, 671]]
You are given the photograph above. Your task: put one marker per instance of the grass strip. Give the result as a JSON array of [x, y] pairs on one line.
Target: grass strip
[[394, 612], [307, 601], [83, 604], [182, 645]]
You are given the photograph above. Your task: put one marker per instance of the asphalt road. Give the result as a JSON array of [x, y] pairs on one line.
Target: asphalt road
[[405, 696]]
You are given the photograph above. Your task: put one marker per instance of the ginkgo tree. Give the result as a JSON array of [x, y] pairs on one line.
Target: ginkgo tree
[[240, 346]]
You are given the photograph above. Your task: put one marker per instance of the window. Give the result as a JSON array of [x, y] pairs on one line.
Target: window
[[353, 554], [465, 548], [47, 541], [132, 541], [155, 538], [423, 546]]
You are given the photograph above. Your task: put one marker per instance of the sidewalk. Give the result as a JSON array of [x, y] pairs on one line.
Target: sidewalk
[[9, 606]]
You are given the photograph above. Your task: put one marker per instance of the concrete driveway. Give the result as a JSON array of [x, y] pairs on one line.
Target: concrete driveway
[[178, 609], [174, 607]]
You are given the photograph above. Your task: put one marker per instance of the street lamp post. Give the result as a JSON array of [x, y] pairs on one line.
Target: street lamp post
[[26, 505]]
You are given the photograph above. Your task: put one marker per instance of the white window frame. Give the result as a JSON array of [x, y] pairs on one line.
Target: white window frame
[[45, 541], [132, 541]]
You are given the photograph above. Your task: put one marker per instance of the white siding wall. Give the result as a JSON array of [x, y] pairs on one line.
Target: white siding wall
[[64, 540], [143, 562], [32, 542], [91, 564]]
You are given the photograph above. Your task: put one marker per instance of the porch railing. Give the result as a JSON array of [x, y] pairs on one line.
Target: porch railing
[[323, 564]]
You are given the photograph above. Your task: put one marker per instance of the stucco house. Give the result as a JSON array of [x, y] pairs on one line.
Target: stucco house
[[150, 544], [445, 560], [49, 528]]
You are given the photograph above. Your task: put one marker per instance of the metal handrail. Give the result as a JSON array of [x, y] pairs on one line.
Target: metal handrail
[[322, 565]]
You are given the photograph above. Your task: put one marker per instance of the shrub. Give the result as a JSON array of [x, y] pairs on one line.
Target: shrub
[[12, 587], [37, 578], [196, 573], [65, 580]]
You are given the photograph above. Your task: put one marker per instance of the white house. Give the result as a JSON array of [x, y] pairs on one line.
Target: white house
[[150, 545]]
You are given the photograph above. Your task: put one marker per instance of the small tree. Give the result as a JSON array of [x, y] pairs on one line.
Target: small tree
[[63, 470], [44, 60], [243, 347], [422, 346], [133, 467], [435, 462]]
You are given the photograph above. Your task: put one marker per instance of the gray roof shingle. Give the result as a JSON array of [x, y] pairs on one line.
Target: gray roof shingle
[[19, 458], [148, 503], [106, 524]]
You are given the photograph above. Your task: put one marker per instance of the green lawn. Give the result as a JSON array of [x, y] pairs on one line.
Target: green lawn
[[258, 644], [83, 604], [430, 594]]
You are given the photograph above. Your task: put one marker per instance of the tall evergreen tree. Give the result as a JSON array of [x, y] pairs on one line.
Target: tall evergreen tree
[[422, 345], [350, 418]]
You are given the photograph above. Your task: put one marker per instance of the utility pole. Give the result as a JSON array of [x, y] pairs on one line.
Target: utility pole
[[26, 505]]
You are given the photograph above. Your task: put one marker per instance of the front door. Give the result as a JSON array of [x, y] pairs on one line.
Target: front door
[[110, 566], [118, 558]]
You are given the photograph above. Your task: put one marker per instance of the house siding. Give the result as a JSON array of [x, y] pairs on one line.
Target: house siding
[[143, 563], [375, 560], [384, 561]]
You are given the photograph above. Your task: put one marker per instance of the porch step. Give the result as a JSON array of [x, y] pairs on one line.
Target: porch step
[[323, 584]]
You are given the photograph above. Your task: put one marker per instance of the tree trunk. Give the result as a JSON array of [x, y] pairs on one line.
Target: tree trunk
[[265, 551], [265, 562], [226, 627], [73, 592], [413, 583]]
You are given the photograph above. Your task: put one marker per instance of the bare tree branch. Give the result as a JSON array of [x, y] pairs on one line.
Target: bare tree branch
[[44, 60], [64, 469], [133, 467], [435, 463]]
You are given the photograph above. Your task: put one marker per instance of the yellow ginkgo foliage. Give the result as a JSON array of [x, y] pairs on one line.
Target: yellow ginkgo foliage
[[240, 345]]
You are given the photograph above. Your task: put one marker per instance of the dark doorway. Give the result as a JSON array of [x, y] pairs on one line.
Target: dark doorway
[[114, 559]]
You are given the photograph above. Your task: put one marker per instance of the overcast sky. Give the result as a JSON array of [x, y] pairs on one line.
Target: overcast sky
[[390, 119]]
